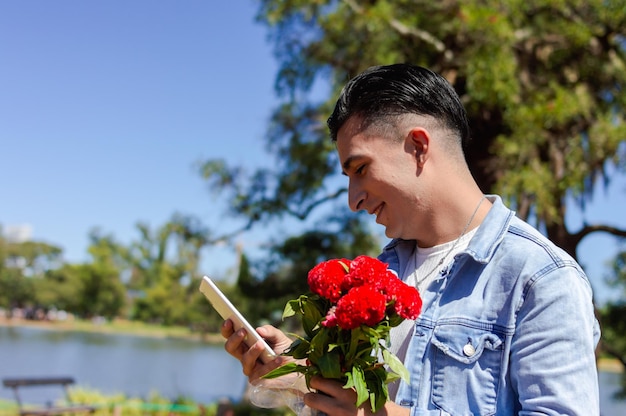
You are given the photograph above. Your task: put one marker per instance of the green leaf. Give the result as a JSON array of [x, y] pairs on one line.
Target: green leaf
[[376, 381], [319, 344], [391, 377], [356, 335], [330, 365], [356, 379], [286, 369], [311, 316], [299, 349], [396, 365], [290, 308]]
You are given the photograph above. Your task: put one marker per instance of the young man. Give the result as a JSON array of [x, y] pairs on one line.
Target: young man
[[507, 325]]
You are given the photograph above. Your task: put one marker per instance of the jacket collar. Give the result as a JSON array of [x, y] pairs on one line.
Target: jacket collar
[[481, 248]]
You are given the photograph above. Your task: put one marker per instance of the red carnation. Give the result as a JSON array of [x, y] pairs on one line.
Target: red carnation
[[325, 279], [361, 305]]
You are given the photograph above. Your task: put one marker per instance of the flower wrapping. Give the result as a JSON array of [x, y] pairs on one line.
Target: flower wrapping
[[346, 319]]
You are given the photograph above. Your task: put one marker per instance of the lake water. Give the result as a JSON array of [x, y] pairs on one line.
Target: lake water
[[137, 366], [127, 364]]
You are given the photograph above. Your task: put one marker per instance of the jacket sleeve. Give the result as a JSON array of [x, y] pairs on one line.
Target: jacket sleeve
[[553, 366]]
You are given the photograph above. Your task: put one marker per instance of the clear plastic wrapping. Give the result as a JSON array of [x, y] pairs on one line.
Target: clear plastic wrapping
[[287, 390]]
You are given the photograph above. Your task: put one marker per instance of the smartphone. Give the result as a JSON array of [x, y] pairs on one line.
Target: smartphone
[[227, 310]]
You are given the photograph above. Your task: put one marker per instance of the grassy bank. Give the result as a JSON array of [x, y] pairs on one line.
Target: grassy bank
[[117, 326]]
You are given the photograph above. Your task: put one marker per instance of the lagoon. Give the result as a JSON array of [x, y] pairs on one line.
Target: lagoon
[[136, 365]]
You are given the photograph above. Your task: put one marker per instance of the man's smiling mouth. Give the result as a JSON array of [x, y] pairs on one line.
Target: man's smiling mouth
[[378, 210]]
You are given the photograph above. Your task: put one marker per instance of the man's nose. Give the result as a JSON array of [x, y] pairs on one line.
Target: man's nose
[[356, 196]]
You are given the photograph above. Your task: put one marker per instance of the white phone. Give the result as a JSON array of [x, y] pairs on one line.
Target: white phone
[[227, 310]]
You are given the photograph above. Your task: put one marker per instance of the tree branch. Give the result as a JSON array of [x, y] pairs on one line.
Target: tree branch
[[404, 30], [304, 213], [588, 229]]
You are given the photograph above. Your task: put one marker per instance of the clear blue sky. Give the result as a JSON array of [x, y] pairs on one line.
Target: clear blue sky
[[106, 106]]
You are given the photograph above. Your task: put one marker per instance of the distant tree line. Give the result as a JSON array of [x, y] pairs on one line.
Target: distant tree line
[[155, 278]]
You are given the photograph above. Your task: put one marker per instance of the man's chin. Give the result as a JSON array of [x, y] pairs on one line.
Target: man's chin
[[389, 233]]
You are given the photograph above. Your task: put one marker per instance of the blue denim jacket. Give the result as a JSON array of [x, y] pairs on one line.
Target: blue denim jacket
[[508, 329]]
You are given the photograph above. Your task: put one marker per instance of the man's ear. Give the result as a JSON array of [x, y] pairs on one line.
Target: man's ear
[[419, 140]]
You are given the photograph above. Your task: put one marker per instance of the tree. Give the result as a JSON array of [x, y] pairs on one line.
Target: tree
[[87, 290], [543, 83], [163, 266], [171, 251], [22, 266]]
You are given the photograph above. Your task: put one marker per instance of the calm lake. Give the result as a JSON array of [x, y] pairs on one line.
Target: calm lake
[[137, 366]]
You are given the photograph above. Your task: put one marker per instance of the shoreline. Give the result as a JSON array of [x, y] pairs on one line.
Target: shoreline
[[118, 326]]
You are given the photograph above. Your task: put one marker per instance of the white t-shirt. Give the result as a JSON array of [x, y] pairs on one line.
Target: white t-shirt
[[423, 268]]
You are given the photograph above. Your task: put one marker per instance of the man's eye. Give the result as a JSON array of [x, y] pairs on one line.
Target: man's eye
[[360, 170]]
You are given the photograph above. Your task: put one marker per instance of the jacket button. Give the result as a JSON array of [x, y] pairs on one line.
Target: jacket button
[[469, 350]]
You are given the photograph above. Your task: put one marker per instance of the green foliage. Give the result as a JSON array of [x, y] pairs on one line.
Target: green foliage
[[33, 257], [153, 405], [16, 290], [87, 290], [160, 270], [157, 405], [21, 265], [8, 407], [162, 266], [543, 83]]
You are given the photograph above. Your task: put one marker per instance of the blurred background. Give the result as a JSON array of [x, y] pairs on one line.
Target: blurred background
[[146, 143]]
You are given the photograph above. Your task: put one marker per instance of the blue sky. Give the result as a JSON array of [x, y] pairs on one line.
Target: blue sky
[[106, 106]]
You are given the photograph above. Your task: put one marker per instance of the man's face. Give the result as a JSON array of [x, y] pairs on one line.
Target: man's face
[[382, 176]]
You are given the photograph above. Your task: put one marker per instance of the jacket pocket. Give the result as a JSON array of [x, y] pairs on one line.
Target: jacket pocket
[[467, 366]]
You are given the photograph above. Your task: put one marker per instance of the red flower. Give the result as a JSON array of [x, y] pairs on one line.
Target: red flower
[[361, 305], [364, 270], [362, 293], [388, 284], [325, 279], [408, 302]]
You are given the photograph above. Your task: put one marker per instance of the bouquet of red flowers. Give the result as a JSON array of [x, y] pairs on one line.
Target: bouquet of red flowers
[[346, 322]]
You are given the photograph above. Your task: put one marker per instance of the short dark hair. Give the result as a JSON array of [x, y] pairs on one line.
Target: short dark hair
[[381, 92]]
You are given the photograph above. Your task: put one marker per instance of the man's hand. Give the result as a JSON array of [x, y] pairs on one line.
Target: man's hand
[[337, 401], [250, 357]]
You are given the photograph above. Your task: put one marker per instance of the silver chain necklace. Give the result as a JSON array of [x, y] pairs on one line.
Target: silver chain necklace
[[456, 242]]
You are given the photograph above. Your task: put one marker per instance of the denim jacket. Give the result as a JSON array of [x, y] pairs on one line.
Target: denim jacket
[[508, 328]]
